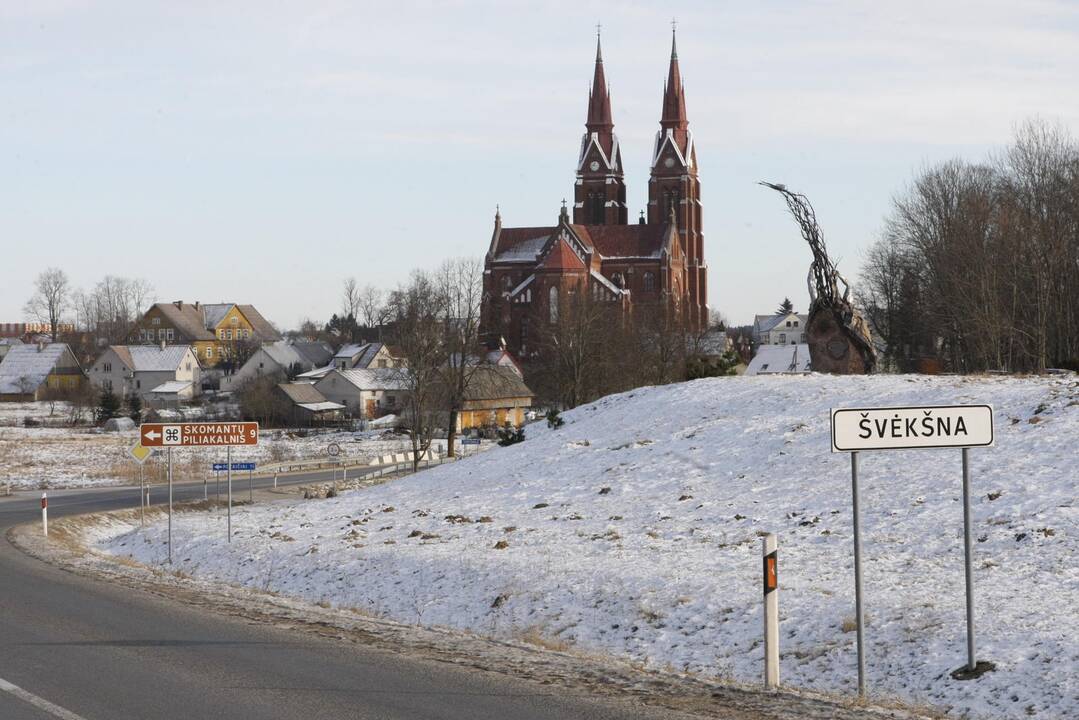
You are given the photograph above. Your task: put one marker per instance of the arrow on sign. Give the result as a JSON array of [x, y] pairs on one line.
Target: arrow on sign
[[152, 435]]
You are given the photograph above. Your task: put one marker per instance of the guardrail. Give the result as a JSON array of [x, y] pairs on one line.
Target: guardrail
[[327, 463]]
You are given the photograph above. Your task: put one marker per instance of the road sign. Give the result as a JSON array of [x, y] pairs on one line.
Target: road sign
[[333, 449], [470, 441], [198, 434], [140, 453], [908, 428], [222, 467]]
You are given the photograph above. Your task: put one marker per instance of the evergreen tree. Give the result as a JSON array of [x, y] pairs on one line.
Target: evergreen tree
[[108, 406], [785, 307], [134, 407]]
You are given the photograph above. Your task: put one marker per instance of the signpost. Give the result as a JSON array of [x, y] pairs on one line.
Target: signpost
[[769, 546], [170, 435], [141, 454], [904, 428]]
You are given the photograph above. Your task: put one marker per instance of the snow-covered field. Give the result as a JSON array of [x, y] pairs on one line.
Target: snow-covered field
[[634, 530], [82, 457]]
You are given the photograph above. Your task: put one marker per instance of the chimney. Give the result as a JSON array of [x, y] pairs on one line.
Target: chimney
[[179, 304], [196, 304]]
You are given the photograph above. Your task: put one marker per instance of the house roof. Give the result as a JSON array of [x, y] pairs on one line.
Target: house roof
[[321, 406], [151, 358], [315, 353], [261, 326], [32, 362], [300, 393], [375, 378], [318, 373], [766, 323], [776, 359], [11, 341], [350, 350], [186, 318], [495, 382], [171, 387], [214, 313]]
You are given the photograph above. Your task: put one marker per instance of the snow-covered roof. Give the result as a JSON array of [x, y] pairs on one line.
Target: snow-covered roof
[[27, 366], [766, 323], [317, 373], [349, 351], [524, 251], [376, 378], [773, 359], [524, 283], [321, 406], [214, 313], [152, 358], [607, 283], [171, 387]]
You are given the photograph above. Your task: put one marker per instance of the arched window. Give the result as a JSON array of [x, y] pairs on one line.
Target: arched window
[[507, 283], [617, 280], [649, 282], [552, 302]]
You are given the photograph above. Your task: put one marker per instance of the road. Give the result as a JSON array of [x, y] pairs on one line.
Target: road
[[74, 647]]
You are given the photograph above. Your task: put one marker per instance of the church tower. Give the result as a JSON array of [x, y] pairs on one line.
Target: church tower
[[600, 191], [674, 184]]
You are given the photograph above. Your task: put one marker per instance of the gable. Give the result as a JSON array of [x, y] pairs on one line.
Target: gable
[[561, 256]]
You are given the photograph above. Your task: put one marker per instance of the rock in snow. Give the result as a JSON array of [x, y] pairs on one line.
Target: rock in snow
[[634, 530]]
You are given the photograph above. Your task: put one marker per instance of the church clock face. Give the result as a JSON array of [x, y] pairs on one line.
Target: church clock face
[[669, 162], [594, 165]]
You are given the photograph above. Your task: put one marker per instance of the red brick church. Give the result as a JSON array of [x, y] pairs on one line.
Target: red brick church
[[658, 260]]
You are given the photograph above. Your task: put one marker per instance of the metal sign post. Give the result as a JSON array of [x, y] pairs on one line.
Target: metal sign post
[[169, 454], [250, 493], [899, 428], [228, 474], [45, 513]]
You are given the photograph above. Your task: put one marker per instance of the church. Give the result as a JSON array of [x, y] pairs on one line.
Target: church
[[531, 273]]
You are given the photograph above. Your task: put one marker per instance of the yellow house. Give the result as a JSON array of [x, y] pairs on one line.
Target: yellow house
[[495, 396], [32, 372], [218, 332]]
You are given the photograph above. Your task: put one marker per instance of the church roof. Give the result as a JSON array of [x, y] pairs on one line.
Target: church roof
[[562, 257], [615, 241]]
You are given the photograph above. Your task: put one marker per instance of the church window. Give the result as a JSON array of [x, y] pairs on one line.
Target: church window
[[595, 201], [552, 302], [649, 282], [617, 280]]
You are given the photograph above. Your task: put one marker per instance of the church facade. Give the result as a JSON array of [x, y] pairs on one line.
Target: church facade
[[656, 261]]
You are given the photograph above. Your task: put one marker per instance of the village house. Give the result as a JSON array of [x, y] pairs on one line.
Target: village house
[[220, 333], [6, 343], [306, 406], [364, 356], [33, 372], [495, 395], [148, 371], [367, 394], [280, 360], [782, 329]]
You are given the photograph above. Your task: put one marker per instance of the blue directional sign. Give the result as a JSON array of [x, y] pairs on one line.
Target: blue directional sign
[[222, 467], [470, 441]]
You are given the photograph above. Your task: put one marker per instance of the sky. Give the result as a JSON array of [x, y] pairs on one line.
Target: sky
[[262, 152]]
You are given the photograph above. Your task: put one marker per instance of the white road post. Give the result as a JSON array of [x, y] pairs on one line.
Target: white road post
[[275, 481], [45, 513], [142, 497], [769, 546], [968, 554], [228, 471]]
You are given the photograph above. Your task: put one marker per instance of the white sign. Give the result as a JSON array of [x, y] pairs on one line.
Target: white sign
[[903, 428]]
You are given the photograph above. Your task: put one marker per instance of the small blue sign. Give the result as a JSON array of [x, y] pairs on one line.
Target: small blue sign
[[470, 441], [222, 467]]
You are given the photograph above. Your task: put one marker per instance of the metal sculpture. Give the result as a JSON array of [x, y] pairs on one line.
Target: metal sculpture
[[838, 336]]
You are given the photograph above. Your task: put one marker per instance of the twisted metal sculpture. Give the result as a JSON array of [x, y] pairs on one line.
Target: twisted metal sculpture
[[838, 336]]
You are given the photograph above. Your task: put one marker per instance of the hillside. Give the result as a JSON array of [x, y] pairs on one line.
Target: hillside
[[633, 530]]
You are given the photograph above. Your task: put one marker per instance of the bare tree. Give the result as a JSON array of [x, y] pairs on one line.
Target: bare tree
[[459, 287], [417, 314], [372, 308], [350, 298], [52, 291]]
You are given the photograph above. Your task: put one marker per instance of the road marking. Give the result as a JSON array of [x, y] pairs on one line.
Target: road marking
[[40, 703]]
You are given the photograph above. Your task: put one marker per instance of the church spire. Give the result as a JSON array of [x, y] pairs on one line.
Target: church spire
[[674, 99], [599, 101]]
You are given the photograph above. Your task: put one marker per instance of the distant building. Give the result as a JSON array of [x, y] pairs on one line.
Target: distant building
[[782, 329], [278, 360], [6, 343], [27, 330], [780, 360], [495, 396], [31, 372], [367, 394], [222, 332], [143, 369], [368, 356], [306, 406]]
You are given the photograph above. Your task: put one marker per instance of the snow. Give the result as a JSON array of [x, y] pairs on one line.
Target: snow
[[772, 359], [635, 528]]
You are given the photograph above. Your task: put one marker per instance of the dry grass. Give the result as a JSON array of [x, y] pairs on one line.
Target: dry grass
[[532, 636]]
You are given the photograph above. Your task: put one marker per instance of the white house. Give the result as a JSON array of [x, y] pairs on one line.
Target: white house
[[149, 371], [780, 360], [788, 329], [366, 393], [368, 356]]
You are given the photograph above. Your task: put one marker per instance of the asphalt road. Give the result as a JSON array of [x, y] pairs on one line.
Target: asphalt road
[[98, 651]]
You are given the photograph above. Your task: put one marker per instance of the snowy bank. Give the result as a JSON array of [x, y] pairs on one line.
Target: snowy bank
[[633, 530]]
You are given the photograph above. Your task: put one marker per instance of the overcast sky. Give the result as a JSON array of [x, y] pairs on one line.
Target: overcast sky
[[261, 152]]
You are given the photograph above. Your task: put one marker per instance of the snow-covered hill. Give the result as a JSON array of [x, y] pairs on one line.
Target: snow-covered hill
[[634, 530]]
